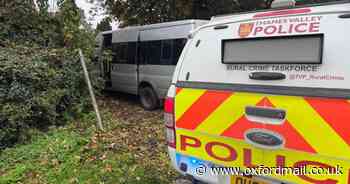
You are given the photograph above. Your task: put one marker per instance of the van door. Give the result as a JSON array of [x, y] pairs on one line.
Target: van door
[[124, 69], [272, 92], [157, 62], [105, 58]]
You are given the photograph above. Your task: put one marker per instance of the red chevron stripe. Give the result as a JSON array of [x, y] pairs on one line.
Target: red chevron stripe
[[336, 113], [178, 90], [294, 140], [202, 108]]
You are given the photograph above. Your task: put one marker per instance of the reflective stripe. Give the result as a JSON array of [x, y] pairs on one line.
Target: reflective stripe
[[315, 130], [293, 139], [201, 109], [336, 113], [228, 113], [185, 99], [310, 125], [178, 90]]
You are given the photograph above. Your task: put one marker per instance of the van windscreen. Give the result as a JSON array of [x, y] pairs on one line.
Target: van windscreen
[[305, 49]]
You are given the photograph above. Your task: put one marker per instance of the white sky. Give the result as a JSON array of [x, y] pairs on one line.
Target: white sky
[[83, 4], [94, 20]]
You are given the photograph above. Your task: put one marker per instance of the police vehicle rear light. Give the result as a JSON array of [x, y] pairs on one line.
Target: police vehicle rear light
[[171, 137], [169, 112], [169, 118], [169, 105]]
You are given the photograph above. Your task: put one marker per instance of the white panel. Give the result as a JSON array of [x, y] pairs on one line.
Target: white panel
[[125, 35], [173, 32]]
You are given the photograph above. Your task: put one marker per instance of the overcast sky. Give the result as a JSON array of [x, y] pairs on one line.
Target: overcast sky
[[93, 19]]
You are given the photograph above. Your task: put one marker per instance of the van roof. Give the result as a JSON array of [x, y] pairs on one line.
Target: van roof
[[324, 8], [159, 25]]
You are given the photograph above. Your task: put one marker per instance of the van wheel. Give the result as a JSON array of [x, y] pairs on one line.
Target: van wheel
[[148, 98], [197, 182]]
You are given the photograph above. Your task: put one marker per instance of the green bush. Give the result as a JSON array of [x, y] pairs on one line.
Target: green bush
[[39, 88], [20, 22]]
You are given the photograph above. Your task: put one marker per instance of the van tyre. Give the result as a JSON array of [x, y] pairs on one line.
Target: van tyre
[[197, 182], [148, 98]]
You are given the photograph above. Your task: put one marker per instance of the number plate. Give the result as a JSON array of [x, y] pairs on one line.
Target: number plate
[[245, 180]]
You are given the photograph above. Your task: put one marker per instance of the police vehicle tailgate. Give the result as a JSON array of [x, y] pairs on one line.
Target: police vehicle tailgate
[[269, 90]]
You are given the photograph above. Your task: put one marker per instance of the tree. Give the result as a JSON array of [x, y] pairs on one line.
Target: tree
[[43, 5], [249, 5], [20, 21], [140, 12], [104, 25], [75, 31], [205, 9]]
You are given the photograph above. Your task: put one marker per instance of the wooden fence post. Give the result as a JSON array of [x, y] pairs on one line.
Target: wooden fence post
[[91, 91]]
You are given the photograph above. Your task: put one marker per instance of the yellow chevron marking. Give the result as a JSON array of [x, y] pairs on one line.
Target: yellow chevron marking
[[312, 126], [228, 113], [185, 99]]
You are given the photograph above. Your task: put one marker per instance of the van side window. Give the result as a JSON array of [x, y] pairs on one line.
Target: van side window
[[131, 52], [179, 45], [124, 53], [143, 53], [167, 52], [154, 53], [115, 52], [107, 41]]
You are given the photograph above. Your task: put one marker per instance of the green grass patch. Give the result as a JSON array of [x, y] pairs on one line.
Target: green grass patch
[[76, 155]]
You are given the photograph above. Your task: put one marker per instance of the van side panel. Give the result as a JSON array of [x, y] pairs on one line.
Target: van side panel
[[165, 33], [159, 76], [127, 76]]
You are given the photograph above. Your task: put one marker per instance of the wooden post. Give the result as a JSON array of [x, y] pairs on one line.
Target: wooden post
[[92, 95], [173, 10]]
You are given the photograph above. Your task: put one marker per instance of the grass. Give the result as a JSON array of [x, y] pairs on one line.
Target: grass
[[77, 154]]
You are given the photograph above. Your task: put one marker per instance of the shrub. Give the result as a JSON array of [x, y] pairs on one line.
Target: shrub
[[20, 22], [39, 88]]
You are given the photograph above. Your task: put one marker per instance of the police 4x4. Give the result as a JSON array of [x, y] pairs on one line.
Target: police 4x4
[[264, 89]]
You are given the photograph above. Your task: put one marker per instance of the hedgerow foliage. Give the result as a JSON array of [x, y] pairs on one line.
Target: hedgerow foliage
[[41, 80], [21, 23], [38, 88]]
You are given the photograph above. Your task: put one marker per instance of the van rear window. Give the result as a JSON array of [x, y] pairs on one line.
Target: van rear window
[[305, 49]]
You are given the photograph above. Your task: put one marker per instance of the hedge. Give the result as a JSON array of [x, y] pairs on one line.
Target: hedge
[[39, 88]]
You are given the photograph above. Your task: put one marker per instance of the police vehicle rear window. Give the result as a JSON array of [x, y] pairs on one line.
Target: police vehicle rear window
[[305, 49]]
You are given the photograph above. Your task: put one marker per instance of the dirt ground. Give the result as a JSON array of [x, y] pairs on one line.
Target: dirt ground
[[140, 132]]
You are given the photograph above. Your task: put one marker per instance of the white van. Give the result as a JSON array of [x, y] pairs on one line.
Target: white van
[[144, 58], [264, 97]]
